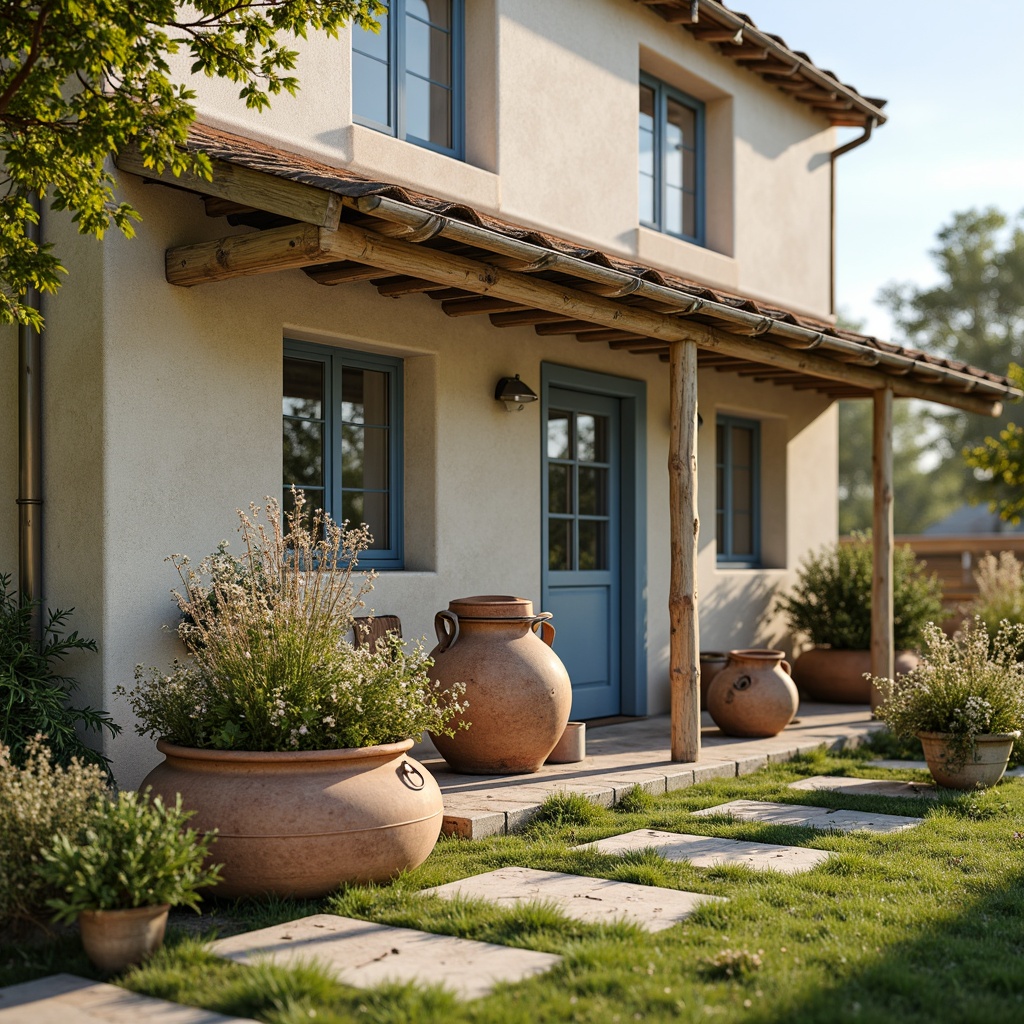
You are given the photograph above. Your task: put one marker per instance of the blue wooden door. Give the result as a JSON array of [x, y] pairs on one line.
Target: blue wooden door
[[582, 545]]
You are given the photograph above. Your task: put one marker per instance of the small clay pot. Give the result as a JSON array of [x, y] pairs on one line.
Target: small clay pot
[[753, 695], [116, 939], [711, 663], [983, 768]]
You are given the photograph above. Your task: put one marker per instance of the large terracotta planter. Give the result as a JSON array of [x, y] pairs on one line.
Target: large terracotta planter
[[518, 691], [983, 768], [753, 695], [116, 939], [301, 823], [837, 677]]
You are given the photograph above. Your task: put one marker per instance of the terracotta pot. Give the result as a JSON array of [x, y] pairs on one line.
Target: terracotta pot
[[300, 823], [984, 768], [711, 663], [753, 695], [518, 691], [116, 939], [571, 747], [837, 677]]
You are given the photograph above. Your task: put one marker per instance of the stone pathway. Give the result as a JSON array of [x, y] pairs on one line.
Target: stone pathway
[[811, 817], [867, 787], [711, 852], [364, 954], [593, 900]]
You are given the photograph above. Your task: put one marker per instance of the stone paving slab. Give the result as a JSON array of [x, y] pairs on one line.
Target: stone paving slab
[[867, 787], [711, 852], [921, 766], [812, 817], [363, 954], [593, 900], [67, 999], [633, 753]]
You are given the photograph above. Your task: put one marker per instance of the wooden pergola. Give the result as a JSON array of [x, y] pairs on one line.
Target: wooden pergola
[[340, 228]]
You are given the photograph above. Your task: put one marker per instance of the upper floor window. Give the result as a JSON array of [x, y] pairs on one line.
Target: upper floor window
[[738, 498], [671, 160], [407, 80], [343, 440]]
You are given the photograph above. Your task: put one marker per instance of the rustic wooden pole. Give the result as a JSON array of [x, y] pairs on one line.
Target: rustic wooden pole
[[882, 641], [684, 665]]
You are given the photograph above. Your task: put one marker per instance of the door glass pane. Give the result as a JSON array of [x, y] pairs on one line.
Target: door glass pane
[[303, 388], [558, 435], [560, 544], [371, 99], [593, 544], [593, 491], [559, 488], [591, 438], [364, 396]]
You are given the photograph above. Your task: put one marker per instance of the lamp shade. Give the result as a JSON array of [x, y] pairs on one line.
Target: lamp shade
[[512, 390]]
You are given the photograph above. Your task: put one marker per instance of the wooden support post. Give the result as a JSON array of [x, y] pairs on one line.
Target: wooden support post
[[684, 664], [882, 641]]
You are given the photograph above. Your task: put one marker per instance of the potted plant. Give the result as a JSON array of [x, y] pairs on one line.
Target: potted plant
[[965, 701], [284, 737], [830, 606], [121, 872]]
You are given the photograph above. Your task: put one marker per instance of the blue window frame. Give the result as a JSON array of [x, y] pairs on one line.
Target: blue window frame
[[342, 425], [738, 490], [671, 161], [407, 80]]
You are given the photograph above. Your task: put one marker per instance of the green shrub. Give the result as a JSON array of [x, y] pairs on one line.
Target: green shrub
[[1000, 591], [38, 799], [831, 601], [131, 851], [968, 685], [34, 696]]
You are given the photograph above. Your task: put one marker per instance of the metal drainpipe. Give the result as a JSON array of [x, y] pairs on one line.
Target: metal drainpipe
[[30, 462], [832, 157]]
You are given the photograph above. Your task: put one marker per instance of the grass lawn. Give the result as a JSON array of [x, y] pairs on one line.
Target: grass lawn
[[925, 925]]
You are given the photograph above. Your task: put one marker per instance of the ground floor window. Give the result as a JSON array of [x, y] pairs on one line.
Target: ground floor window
[[343, 439], [737, 490]]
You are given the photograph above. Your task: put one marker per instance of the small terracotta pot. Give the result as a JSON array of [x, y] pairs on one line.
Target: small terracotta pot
[[837, 677], [753, 695], [711, 663], [984, 768], [116, 939], [572, 747], [518, 691], [301, 823]]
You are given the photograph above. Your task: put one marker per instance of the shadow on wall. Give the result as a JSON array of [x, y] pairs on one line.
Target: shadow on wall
[[738, 613]]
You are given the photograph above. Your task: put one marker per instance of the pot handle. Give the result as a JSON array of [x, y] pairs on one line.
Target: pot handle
[[412, 777], [786, 667], [547, 631], [445, 636]]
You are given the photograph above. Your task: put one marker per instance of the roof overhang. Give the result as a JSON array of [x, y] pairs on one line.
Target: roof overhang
[[339, 227]]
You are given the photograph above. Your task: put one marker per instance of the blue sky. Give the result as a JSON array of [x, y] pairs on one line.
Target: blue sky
[[953, 73]]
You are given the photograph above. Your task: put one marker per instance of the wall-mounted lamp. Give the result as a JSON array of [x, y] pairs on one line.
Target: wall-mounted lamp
[[514, 393]]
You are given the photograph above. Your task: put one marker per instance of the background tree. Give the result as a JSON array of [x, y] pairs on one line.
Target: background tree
[[82, 79]]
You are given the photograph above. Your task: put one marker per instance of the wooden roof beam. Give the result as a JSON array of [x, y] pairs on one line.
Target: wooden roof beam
[[527, 318], [606, 335], [475, 306], [393, 287], [567, 327], [344, 273]]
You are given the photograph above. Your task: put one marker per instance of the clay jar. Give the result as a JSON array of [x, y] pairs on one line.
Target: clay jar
[[753, 695], [518, 691], [711, 663]]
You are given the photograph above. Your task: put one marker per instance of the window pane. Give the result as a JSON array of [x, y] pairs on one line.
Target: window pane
[[370, 508], [742, 446], [720, 532], [742, 534], [681, 127], [303, 388], [427, 111], [673, 158], [593, 491], [591, 438], [437, 12], [426, 52], [314, 500], [646, 108], [647, 186], [689, 170], [559, 489], [558, 435], [689, 214], [593, 545], [373, 44], [371, 98], [741, 489], [364, 457], [364, 396], [672, 218], [303, 453], [560, 544]]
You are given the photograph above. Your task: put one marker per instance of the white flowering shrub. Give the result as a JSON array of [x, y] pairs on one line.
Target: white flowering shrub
[[38, 799], [966, 685], [1000, 590], [270, 664]]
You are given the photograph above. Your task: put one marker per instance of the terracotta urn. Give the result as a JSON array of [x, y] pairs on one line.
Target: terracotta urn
[[983, 768], [711, 663], [753, 695], [116, 939], [838, 677], [301, 823], [518, 691]]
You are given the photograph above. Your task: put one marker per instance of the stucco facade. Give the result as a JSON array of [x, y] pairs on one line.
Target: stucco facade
[[163, 404]]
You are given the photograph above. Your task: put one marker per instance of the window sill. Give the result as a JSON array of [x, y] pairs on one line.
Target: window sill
[[676, 256]]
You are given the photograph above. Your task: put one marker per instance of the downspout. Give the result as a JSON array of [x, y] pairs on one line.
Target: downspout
[[869, 127], [30, 462]]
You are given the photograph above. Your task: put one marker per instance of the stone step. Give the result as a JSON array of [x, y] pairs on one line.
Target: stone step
[[867, 787], [68, 999], [711, 852], [593, 900], [811, 817], [363, 954]]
